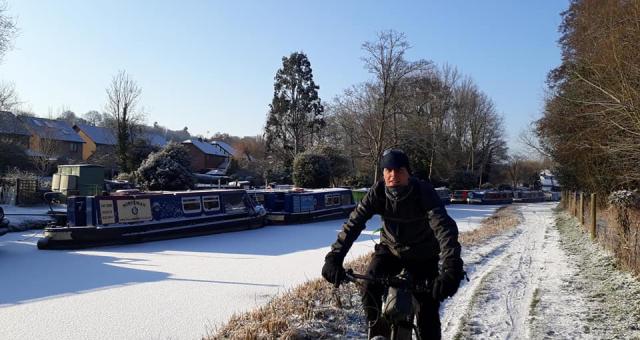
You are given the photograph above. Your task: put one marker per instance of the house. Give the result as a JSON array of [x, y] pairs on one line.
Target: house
[[224, 147], [12, 130], [53, 139], [97, 140], [548, 181], [204, 156]]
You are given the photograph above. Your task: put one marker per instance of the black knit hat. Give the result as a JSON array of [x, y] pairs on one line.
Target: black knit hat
[[394, 159]]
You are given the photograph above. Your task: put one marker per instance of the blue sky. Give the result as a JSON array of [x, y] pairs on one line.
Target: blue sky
[[209, 65]]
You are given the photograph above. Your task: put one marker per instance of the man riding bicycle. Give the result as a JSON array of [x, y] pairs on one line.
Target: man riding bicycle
[[417, 232]]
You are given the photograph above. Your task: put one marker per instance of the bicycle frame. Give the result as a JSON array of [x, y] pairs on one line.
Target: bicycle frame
[[400, 305]]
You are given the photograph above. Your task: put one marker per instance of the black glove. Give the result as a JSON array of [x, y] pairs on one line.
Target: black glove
[[446, 284], [332, 270]]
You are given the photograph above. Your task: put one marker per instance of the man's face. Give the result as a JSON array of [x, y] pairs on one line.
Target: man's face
[[395, 176]]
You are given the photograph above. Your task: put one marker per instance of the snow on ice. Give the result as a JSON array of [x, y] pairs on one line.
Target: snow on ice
[[184, 288]]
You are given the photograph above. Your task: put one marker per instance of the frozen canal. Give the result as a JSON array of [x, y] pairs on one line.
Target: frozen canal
[[174, 289]]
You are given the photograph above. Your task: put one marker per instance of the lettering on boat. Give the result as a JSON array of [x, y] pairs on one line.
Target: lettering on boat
[[134, 210], [106, 212]]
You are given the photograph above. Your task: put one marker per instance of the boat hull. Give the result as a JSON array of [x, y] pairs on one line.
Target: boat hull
[[307, 217], [87, 237]]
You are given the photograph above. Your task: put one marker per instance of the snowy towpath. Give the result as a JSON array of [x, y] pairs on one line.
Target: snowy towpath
[[524, 285], [174, 289]]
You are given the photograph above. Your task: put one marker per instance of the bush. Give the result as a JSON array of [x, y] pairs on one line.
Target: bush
[[167, 169], [13, 156], [462, 180], [311, 171], [487, 185], [339, 165], [358, 181]]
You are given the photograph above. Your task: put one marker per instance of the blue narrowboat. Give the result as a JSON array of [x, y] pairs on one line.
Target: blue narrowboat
[[303, 205], [132, 216]]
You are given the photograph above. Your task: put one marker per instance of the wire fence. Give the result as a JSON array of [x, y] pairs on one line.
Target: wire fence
[[617, 228]]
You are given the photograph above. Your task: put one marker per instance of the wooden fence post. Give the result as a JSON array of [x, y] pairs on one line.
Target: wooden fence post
[[581, 209], [593, 217]]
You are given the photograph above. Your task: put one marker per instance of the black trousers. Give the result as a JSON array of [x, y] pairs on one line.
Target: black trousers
[[385, 264]]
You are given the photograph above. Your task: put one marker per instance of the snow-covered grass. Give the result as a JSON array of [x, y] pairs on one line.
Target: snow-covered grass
[[545, 279], [611, 297], [317, 310]]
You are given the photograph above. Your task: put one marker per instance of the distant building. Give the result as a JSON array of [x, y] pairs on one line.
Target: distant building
[[96, 140], [548, 181], [224, 147], [204, 156], [12, 130], [54, 139]]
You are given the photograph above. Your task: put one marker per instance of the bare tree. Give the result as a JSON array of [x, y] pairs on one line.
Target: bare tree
[[122, 97], [8, 96], [385, 59], [47, 151], [8, 30]]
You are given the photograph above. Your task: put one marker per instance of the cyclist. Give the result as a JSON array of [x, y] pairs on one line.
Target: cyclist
[[417, 232]]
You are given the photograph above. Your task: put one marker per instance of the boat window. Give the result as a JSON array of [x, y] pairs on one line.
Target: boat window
[[346, 199], [211, 203], [331, 200], [234, 203], [191, 204]]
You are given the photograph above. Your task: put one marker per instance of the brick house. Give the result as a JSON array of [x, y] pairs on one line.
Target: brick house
[[97, 140], [53, 138], [204, 156], [12, 130]]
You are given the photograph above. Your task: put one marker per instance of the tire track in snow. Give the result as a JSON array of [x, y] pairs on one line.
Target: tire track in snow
[[496, 303]]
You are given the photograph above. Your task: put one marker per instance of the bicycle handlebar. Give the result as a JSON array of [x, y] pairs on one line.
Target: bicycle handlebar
[[397, 281]]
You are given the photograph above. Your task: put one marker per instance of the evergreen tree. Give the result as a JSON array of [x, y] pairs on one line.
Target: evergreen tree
[[167, 169], [296, 113], [311, 171]]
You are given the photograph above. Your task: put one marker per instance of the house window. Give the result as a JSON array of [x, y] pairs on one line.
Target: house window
[[191, 205], [74, 147], [211, 203], [331, 200]]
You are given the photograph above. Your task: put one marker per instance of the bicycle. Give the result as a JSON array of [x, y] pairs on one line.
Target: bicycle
[[399, 305]]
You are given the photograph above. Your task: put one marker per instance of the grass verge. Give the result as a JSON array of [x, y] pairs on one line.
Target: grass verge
[[315, 310]]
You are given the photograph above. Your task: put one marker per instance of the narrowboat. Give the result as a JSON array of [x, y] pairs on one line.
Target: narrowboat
[[523, 196], [490, 197], [129, 216], [445, 195], [459, 196], [291, 205]]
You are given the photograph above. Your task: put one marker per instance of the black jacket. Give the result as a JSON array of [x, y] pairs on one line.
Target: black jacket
[[416, 225]]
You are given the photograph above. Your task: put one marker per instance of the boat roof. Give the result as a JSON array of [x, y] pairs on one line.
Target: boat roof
[[303, 191], [134, 192]]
